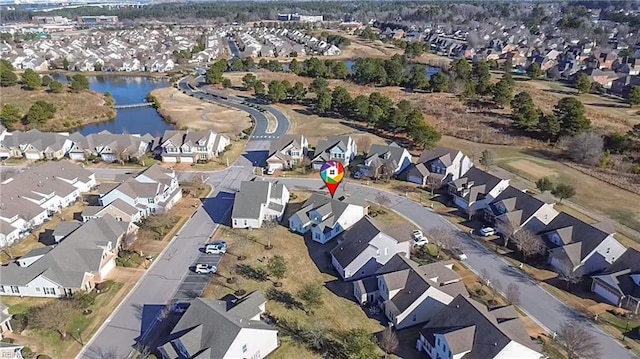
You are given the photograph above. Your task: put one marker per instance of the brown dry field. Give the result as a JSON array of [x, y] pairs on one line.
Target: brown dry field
[[73, 110], [606, 114], [188, 112]]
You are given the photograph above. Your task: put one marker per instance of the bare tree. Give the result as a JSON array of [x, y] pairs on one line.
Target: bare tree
[[364, 144], [54, 316], [578, 341], [382, 199], [485, 278], [269, 227], [388, 341], [508, 230], [305, 163], [585, 147], [442, 237], [528, 243], [386, 172], [496, 288], [513, 294], [433, 183], [7, 250], [568, 274]]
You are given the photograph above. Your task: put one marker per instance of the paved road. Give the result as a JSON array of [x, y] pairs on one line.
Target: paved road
[[261, 130]]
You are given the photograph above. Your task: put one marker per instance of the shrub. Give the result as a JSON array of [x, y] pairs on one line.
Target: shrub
[[42, 356], [27, 353], [84, 299], [104, 286], [7, 340], [19, 322]]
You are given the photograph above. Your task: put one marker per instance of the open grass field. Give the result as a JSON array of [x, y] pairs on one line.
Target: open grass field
[[73, 110], [188, 112]]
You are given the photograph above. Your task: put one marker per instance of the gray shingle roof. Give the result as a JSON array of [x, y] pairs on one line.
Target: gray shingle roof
[[65, 228], [573, 231], [620, 276], [355, 240], [413, 280], [513, 199], [252, 195], [77, 254], [208, 327], [444, 154], [334, 208], [479, 181], [466, 324], [325, 146]]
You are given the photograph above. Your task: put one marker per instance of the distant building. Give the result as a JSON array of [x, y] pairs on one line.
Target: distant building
[[97, 20], [51, 20], [300, 18]]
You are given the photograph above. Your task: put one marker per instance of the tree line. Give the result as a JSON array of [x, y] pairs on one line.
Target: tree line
[[376, 110]]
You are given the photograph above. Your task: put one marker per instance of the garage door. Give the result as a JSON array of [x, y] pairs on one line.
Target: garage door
[[107, 267], [276, 165], [186, 159], [605, 293]]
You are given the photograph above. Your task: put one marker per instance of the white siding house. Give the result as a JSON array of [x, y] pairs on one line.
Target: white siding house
[[258, 201]]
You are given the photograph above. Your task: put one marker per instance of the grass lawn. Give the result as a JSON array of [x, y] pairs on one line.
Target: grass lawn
[[232, 153], [79, 326]]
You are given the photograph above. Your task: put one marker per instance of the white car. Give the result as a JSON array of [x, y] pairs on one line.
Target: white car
[[271, 171], [202, 268], [418, 238], [218, 247], [487, 231]]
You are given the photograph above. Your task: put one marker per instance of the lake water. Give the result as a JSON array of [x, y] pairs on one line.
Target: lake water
[[127, 90]]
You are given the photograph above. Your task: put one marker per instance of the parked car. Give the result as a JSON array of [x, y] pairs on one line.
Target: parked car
[[218, 247], [271, 171], [458, 254], [202, 268], [357, 175], [419, 239], [487, 231]]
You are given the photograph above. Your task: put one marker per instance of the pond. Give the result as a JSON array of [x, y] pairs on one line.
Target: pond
[[127, 90]]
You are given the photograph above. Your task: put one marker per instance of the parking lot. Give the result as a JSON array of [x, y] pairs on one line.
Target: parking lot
[[194, 284]]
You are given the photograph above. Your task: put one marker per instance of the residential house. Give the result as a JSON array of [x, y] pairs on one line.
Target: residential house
[[288, 152], [192, 146], [341, 148], [326, 217], [602, 77], [155, 190], [468, 329], [215, 329], [258, 201], [514, 209], [364, 248], [409, 294], [475, 189], [63, 229], [118, 209], [109, 147], [385, 160], [442, 164], [620, 284], [622, 85], [28, 198], [78, 262], [627, 65], [578, 246], [35, 145]]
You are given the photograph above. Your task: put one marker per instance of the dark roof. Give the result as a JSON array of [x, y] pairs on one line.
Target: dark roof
[[571, 231], [387, 153], [413, 280], [513, 199], [620, 276], [469, 324], [479, 183], [325, 146], [208, 328], [355, 240], [445, 154]]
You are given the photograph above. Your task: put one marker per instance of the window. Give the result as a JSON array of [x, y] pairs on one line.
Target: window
[[14, 289], [244, 348], [152, 200], [51, 291], [377, 252], [1, 289]]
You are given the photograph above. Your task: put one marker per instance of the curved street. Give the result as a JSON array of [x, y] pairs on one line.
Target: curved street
[[119, 333]]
